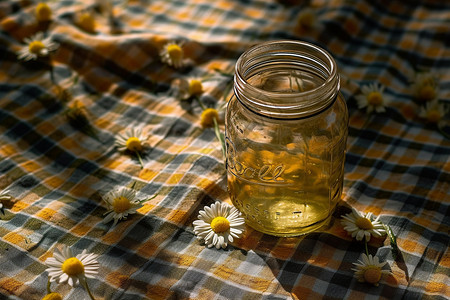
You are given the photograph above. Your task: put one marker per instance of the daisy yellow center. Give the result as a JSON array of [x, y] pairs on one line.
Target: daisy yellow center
[[43, 12], [426, 93], [121, 204], [375, 98], [364, 223], [195, 87], [174, 51], [208, 116], [134, 144], [220, 224], [36, 47], [72, 266], [87, 22], [433, 116], [372, 275], [52, 296]]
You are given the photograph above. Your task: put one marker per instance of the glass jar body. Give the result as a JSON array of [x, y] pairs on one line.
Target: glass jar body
[[285, 174]]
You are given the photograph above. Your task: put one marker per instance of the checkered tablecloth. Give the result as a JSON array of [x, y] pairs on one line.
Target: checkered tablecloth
[[397, 166]]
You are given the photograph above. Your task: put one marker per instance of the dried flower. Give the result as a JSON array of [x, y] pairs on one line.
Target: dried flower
[[36, 46], [425, 87], [43, 12], [208, 117], [219, 224], [65, 267], [361, 225], [172, 54], [372, 97], [121, 203], [433, 112], [369, 269]]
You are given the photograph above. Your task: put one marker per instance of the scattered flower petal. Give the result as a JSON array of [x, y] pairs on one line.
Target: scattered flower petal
[[219, 224], [65, 267], [361, 225], [369, 270]]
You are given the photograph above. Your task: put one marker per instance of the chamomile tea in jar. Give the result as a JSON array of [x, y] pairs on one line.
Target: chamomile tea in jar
[[286, 132]]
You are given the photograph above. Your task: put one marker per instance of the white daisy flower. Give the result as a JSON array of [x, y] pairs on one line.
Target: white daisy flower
[[372, 97], [361, 225], [172, 54], [218, 225], [65, 267], [36, 46], [132, 140], [121, 202], [191, 87], [369, 269], [425, 87], [433, 111], [4, 196]]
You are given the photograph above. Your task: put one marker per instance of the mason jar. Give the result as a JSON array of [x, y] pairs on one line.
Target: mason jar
[[286, 132]]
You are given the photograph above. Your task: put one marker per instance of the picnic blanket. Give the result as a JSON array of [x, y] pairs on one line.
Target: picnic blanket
[[61, 114]]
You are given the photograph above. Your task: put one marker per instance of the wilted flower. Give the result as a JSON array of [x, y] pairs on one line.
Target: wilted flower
[[43, 12], [208, 116], [433, 112], [425, 87]]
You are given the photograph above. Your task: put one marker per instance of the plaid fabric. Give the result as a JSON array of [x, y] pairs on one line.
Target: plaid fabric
[[396, 166]]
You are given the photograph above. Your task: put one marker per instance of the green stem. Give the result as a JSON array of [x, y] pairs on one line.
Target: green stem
[[48, 286], [367, 249], [140, 159], [85, 284], [200, 103]]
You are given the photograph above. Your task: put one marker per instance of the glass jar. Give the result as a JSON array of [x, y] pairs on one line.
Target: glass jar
[[286, 133]]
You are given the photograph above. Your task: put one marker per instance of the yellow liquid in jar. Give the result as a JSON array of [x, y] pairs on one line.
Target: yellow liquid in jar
[[285, 192]]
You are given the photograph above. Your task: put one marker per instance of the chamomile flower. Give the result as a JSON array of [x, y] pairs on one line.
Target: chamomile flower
[[362, 225], [369, 269], [52, 296], [425, 87], [43, 12], [65, 267], [188, 88], [121, 203], [133, 141], [4, 195], [218, 224], [372, 98], [37, 46], [86, 21], [433, 112], [172, 54], [208, 116]]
